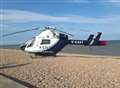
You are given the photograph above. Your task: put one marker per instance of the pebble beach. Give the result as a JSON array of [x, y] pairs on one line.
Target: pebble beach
[[63, 71]]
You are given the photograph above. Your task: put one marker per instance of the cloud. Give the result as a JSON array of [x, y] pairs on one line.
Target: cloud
[[116, 1], [77, 1], [46, 1], [21, 16], [108, 2], [111, 2]]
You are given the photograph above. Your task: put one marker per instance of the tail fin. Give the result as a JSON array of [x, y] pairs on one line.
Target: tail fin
[[98, 36], [97, 41], [90, 38]]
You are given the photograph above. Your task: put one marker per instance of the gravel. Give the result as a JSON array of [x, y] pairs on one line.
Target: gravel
[[63, 71]]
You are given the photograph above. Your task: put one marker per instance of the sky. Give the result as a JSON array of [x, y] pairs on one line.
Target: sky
[[79, 17]]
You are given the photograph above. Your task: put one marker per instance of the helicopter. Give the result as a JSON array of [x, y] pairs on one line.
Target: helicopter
[[51, 41]]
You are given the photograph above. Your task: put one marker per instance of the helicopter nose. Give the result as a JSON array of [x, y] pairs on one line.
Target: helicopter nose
[[22, 47]]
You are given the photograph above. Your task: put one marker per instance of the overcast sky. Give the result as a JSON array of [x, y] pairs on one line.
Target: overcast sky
[[68, 15]]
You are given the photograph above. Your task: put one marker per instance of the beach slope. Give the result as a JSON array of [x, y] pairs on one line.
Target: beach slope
[[63, 71]]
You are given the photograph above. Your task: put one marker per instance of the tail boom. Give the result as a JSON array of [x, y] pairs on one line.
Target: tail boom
[[91, 41]]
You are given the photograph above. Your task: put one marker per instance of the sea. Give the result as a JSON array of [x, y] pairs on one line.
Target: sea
[[112, 49]]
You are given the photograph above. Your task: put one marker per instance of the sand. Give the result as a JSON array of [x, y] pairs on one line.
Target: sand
[[63, 71]]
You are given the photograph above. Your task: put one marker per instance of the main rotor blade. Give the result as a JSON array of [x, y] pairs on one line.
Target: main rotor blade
[[65, 32], [5, 35]]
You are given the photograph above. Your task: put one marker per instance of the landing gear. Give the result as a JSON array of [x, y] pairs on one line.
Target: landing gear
[[32, 56], [36, 55]]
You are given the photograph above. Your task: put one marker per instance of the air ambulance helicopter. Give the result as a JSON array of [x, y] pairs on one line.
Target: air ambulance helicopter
[[50, 41]]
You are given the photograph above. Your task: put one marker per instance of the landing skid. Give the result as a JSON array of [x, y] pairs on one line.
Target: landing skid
[[41, 55]]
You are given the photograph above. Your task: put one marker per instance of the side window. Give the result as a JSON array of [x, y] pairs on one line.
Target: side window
[[45, 41]]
